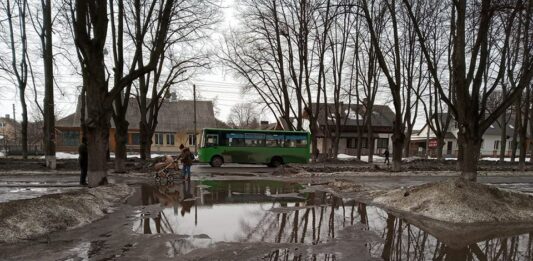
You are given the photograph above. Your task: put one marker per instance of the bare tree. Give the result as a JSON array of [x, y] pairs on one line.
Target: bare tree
[[17, 65], [469, 102], [391, 68], [177, 64], [90, 22], [244, 116]]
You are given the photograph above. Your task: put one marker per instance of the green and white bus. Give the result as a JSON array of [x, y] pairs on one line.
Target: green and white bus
[[273, 148]]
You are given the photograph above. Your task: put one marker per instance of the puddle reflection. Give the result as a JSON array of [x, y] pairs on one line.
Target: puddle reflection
[[202, 214]]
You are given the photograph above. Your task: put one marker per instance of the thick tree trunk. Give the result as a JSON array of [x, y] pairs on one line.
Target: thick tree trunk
[[503, 137], [397, 148], [121, 140], [460, 151], [97, 142], [24, 125], [145, 141], [314, 140], [440, 147], [407, 145], [471, 147]]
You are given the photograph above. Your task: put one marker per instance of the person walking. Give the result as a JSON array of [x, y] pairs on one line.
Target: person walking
[[84, 160], [186, 158], [386, 154]]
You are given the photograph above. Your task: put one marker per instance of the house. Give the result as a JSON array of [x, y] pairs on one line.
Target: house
[[175, 126], [352, 126], [8, 130], [489, 147]]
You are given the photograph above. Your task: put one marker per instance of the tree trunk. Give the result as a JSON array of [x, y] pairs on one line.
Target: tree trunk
[[49, 114], [531, 129], [440, 147], [370, 139], [97, 141], [24, 125], [460, 151], [471, 147], [397, 147], [503, 137], [517, 127], [407, 145], [523, 134], [314, 140], [145, 141], [359, 139], [121, 140]]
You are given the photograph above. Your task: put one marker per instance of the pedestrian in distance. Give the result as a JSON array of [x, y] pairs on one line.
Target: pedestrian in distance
[[84, 160], [186, 158], [386, 154]]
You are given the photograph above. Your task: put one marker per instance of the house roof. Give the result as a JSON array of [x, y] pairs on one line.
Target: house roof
[[174, 116], [382, 115]]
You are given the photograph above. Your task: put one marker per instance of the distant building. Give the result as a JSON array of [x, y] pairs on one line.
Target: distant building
[[175, 126], [490, 146], [352, 117]]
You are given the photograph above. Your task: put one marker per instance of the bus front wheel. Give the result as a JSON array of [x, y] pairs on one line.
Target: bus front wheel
[[216, 161], [275, 162]]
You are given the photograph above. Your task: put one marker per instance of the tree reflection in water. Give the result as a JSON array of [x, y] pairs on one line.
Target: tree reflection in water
[[315, 221]]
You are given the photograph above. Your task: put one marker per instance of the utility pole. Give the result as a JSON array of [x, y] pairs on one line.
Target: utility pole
[[15, 123], [194, 107]]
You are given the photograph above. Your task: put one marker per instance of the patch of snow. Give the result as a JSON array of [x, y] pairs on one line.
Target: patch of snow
[[345, 157], [64, 155], [375, 158], [507, 159]]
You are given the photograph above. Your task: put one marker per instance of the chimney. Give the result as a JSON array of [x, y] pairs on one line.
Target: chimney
[[7, 116], [264, 124], [173, 96]]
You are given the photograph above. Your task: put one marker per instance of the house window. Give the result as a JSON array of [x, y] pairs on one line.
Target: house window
[[192, 140], [496, 144], [135, 138], [2, 124], [158, 138], [170, 138], [351, 143], [383, 143], [71, 138]]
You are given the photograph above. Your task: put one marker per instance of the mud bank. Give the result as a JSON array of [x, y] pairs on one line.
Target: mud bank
[[459, 201], [30, 218]]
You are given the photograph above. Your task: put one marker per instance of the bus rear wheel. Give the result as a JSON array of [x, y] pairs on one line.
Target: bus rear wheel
[[275, 162], [216, 161]]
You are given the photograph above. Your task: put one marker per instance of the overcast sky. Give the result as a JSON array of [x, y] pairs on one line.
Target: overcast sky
[[217, 84]]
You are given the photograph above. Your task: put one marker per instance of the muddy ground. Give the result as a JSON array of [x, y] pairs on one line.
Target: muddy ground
[[137, 165]]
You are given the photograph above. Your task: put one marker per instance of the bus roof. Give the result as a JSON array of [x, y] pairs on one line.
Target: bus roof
[[249, 130]]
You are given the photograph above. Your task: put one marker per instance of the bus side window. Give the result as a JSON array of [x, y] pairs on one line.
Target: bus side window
[[235, 139], [295, 141], [211, 140], [254, 139], [274, 140]]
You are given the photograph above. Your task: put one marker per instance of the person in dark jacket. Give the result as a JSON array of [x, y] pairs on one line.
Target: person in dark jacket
[[186, 158], [84, 160], [386, 154]]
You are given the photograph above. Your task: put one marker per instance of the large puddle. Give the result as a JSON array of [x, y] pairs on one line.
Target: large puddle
[[272, 220]]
